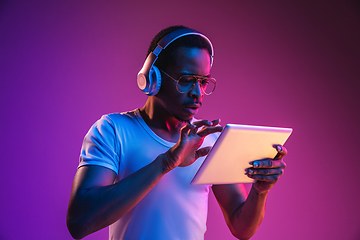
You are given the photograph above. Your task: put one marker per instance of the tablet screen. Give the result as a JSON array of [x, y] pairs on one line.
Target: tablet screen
[[236, 147]]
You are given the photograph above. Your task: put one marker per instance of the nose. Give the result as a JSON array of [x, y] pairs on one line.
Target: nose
[[196, 90]]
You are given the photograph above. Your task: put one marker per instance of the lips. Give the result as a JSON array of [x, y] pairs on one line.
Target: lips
[[193, 105], [192, 108]]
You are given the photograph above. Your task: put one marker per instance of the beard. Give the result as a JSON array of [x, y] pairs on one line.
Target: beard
[[182, 120]]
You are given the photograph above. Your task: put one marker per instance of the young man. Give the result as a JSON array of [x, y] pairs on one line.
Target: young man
[[135, 167]]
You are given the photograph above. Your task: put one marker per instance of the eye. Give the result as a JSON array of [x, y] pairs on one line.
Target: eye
[[204, 82], [187, 80]]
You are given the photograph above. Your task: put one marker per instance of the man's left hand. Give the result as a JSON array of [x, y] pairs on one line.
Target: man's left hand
[[267, 171]]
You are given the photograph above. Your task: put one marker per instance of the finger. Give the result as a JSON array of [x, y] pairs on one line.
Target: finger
[[185, 130], [193, 130], [268, 163], [281, 151], [269, 178], [206, 123], [206, 131], [264, 171], [215, 122], [202, 152], [202, 123]]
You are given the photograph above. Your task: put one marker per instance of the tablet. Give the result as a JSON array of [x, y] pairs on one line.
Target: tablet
[[236, 147]]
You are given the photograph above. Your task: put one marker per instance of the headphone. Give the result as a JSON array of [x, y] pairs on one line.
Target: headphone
[[149, 77]]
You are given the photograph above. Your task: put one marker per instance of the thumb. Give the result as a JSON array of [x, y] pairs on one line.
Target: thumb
[[202, 152]]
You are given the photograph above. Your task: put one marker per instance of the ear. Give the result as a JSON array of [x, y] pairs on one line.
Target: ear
[[154, 80]]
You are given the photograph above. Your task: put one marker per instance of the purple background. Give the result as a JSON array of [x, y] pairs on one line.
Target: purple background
[[278, 63]]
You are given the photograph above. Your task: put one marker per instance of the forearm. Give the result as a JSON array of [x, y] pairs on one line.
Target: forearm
[[95, 208], [247, 218]]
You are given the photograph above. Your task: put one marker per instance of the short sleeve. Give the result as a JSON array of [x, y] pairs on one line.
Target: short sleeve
[[100, 146]]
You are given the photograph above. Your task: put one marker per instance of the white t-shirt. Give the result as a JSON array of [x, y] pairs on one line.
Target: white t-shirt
[[173, 209]]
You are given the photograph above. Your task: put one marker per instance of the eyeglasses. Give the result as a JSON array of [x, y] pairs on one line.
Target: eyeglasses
[[187, 82]]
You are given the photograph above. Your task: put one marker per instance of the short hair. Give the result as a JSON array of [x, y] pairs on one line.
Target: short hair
[[166, 57]]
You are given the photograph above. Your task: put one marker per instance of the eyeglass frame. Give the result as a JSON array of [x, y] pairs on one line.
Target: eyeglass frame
[[197, 77]]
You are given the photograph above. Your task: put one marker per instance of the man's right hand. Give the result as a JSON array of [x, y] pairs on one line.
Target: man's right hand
[[186, 150]]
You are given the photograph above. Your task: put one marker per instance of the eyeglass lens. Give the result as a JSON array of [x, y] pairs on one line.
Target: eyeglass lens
[[186, 83]]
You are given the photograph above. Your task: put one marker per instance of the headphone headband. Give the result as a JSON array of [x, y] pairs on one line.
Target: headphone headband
[[165, 41], [144, 79]]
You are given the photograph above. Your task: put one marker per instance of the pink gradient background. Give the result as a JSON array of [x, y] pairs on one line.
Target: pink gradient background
[[278, 63]]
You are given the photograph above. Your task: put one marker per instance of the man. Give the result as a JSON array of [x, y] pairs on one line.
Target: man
[[136, 167]]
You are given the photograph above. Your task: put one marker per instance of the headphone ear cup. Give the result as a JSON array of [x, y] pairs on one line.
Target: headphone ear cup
[[154, 80]]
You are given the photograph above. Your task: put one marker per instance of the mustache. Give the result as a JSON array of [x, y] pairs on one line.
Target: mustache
[[199, 103]]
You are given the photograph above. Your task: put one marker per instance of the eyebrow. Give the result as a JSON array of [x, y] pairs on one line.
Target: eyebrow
[[191, 74]]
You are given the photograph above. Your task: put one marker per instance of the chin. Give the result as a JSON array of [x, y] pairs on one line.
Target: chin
[[184, 119]]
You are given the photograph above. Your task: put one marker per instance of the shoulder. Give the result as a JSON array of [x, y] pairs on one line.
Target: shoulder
[[118, 119], [110, 124]]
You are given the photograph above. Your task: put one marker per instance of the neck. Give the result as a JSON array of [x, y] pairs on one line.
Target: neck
[[160, 121]]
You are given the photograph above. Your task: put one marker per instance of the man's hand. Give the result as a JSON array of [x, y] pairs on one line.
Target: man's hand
[[186, 150], [267, 171]]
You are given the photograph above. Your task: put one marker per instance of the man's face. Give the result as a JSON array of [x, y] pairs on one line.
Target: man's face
[[188, 61]]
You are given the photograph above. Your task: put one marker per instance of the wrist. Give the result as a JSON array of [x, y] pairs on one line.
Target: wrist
[[259, 192], [168, 161]]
